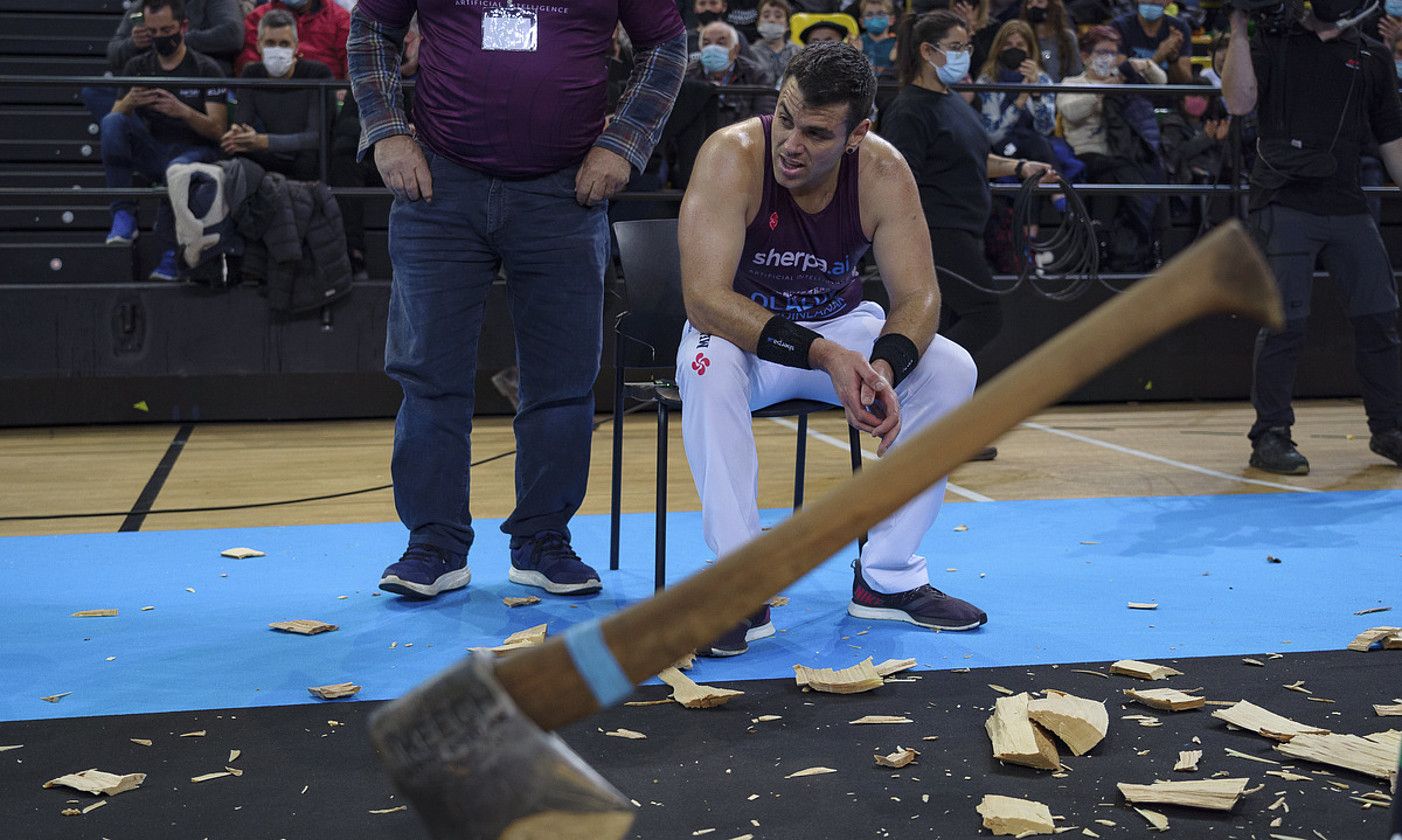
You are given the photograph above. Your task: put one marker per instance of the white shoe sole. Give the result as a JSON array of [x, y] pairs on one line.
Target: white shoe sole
[[763, 631], [881, 614], [540, 581], [445, 583]]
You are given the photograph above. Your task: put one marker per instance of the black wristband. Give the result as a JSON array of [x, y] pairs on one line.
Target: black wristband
[[786, 343], [899, 352], [1017, 170]]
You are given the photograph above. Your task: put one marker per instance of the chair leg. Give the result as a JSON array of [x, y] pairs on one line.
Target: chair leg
[[854, 443], [616, 489], [659, 550], [800, 461]]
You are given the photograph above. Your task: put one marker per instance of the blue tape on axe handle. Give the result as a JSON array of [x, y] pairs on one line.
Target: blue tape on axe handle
[[595, 663]]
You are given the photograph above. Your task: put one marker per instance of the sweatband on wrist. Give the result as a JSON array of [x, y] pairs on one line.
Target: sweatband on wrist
[[899, 352], [786, 343]]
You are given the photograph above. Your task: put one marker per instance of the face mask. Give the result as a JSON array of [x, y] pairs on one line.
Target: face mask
[[956, 67], [1150, 11], [1394, 8], [278, 60], [167, 45], [1012, 57], [296, 5], [774, 31], [1194, 106], [706, 18], [1103, 65], [877, 24], [715, 58], [1036, 14]]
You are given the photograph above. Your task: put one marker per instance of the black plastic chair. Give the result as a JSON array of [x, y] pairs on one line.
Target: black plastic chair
[[647, 334]]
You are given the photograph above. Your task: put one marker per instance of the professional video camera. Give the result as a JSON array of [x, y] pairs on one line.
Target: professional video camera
[[1277, 16]]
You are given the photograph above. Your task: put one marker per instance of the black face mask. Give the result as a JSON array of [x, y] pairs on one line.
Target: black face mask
[[167, 45], [1035, 14], [707, 18], [1012, 57]]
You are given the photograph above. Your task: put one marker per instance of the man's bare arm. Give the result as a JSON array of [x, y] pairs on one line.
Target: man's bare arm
[[1238, 74]]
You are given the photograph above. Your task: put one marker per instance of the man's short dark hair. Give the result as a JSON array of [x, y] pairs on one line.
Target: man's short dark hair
[[827, 74], [277, 19], [177, 7]]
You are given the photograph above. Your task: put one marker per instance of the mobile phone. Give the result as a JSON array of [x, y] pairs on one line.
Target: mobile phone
[[138, 18]]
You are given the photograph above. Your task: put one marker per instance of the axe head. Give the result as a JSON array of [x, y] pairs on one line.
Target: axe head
[[475, 768]]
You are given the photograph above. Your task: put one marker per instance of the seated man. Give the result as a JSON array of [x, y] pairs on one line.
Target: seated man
[[721, 63], [322, 27], [216, 30], [278, 127], [778, 214], [150, 128]]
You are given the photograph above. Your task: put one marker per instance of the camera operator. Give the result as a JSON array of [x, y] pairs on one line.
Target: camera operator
[[1321, 87]]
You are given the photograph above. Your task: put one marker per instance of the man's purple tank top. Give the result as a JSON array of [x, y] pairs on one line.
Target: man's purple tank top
[[798, 265]]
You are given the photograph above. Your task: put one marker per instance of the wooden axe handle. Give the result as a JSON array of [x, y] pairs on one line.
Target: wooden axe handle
[[1223, 272]]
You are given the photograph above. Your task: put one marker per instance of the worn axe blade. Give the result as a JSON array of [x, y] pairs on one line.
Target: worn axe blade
[[475, 768]]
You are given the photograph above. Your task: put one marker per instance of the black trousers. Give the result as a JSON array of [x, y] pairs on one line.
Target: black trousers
[[969, 316]]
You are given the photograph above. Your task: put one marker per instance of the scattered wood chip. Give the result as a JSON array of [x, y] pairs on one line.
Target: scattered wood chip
[[767, 718], [1143, 670], [1078, 722], [854, 680], [1016, 739], [1013, 817], [778, 601], [876, 719], [1388, 711], [1139, 605], [1372, 610], [9, 747], [811, 771], [241, 553], [1288, 776], [893, 666], [525, 601], [626, 733], [303, 626], [1364, 641], [190, 589], [1297, 686], [693, 696], [1167, 699], [94, 614], [1263, 722], [207, 777], [98, 782], [198, 733], [1319, 700], [71, 812], [1210, 794], [141, 742], [234, 756], [54, 698], [1107, 823], [665, 701], [390, 810], [147, 608], [961, 528], [335, 691], [1087, 832], [1156, 820], [1001, 690], [1092, 673], [1188, 761], [898, 759], [686, 663], [1237, 754], [1373, 755], [529, 637], [93, 807]]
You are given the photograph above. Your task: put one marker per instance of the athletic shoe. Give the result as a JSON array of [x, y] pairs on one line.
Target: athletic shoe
[[547, 561], [925, 606], [736, 640], [425, 571], [1388, 444], [124, 231], [1275, 452], [168, 269]]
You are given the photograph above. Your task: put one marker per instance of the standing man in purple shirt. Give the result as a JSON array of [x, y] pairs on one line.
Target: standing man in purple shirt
[[509, 164]]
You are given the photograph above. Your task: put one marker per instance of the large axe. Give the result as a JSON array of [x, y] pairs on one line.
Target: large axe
[[471, 749]]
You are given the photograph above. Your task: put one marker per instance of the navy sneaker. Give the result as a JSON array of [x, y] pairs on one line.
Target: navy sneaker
[[547, 561], [124, 231], [425, 571], [736, 640], [1388, 444], [168, 269], [925, 606]]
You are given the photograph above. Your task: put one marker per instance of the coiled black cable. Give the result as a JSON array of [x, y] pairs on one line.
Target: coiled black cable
[[1073, 245]]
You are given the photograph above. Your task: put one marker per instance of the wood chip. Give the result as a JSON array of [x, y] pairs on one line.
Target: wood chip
[[1388, 711], [1373, 755], [141, 742], [961, 528], [198, 733], [1156, 820], [898, 759], [71, 812], [894, 666], [1210, 794], [626, 733], [1237, 754], [1371, 610], [767, 718], [1167, 699], [1267, 724], [876, 719], [241, 553], [686, 663], [1297, 686], [1188, 761], [94, 614], [1013, 817], [1001, 690], [854, 680], [11, 747], [303, 626], [529, 637], [521, 602], [1246, 660], [811, 771], [1078, 722], [1092, 673], [778, 601], [93, 807], [1288, 776], [147, 609], [335, 691], [207, 777], [1364, 641], [666, 701], [1139, 605], [98, 782], [54, 698], [390, 810], [1016, 739], [234, 756], [693, 696], [1143, 670]]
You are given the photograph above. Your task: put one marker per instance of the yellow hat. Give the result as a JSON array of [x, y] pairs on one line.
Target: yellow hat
[[804, 23]]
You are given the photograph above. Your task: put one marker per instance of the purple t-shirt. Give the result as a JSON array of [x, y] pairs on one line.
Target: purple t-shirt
[[519, 114]]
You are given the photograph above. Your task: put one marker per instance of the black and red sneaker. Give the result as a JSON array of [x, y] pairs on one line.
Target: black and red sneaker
[[925, 606], [736, 640]]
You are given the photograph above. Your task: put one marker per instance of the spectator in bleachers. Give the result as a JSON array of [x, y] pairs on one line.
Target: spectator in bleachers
[[150, 128], [981, 26], [817, 29], [279, 129], [703, 13], [744, 16], [773, 49], [879, 36], [721, 64], [1150, 32], [216, 31], [1023, 120], [1056, 39], [322, 28]]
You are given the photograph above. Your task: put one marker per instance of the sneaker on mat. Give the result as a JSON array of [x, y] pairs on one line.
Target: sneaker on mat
[[168, 269], [425, 571], [925, 606], [124, 230], [1388, 444], [736, 640], [1275, 452], [547, 561]]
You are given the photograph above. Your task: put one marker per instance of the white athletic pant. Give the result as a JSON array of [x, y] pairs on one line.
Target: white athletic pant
[[721, 384]]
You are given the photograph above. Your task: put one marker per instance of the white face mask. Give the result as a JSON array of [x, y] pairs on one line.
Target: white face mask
[[278, 60], [771, 31]]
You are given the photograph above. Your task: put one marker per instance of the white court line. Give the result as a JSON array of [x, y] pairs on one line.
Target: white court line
[[871, 456], [1148, 456]]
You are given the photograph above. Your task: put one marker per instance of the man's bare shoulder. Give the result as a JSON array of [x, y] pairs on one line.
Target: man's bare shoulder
[[733, 150], [880, 159]]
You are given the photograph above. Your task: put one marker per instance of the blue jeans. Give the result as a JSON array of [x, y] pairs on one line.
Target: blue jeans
[[128, 148], [446, 256]]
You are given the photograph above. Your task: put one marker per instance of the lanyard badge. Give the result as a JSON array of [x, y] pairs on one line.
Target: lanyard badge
[[509, 28]]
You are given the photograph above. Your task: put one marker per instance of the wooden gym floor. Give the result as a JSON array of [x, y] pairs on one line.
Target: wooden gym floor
[[1067, 452]]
